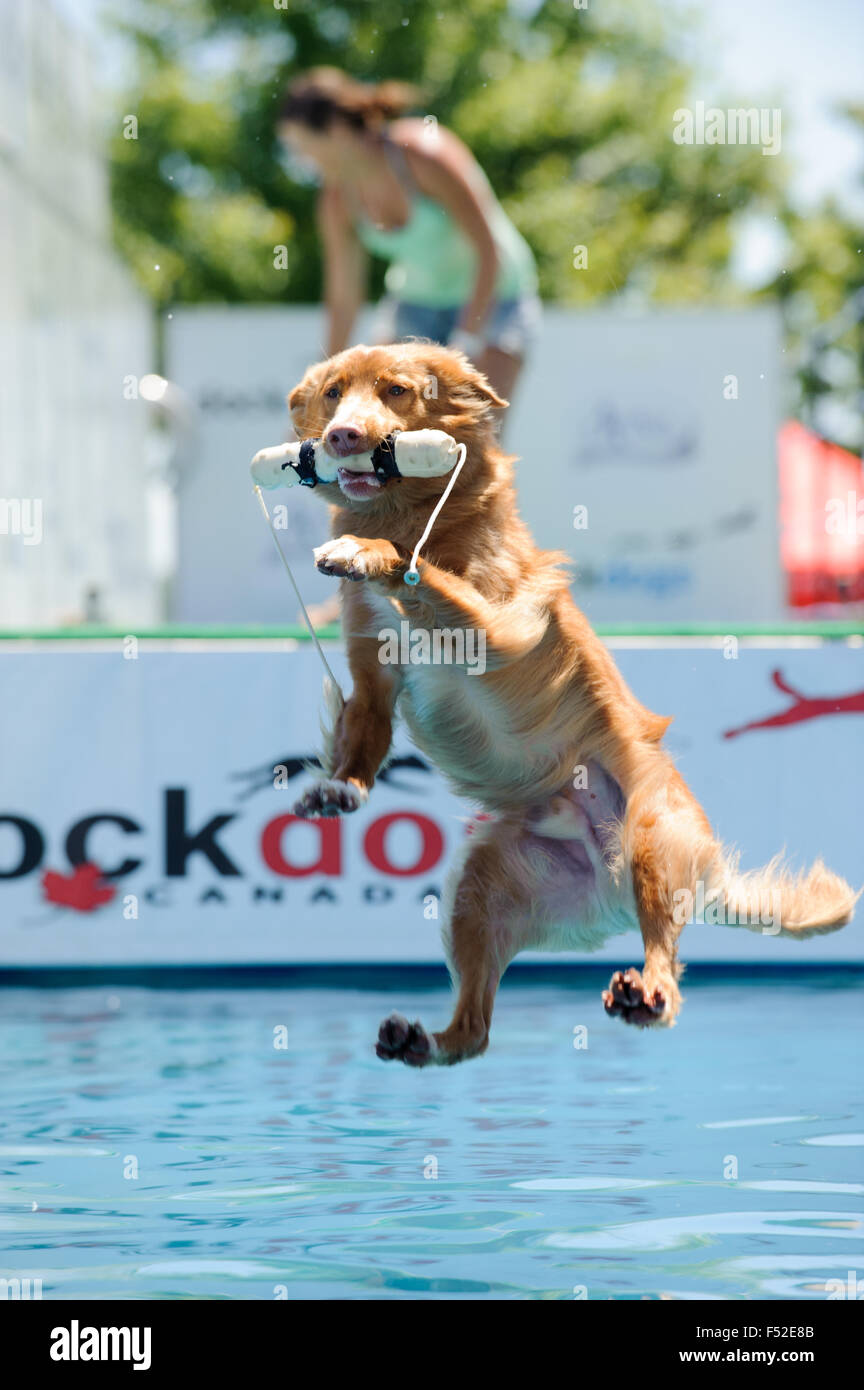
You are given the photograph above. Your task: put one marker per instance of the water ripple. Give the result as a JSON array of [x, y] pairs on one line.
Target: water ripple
[[156, 1145]]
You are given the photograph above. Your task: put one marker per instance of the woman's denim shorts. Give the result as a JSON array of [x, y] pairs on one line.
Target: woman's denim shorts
[[512, 325]]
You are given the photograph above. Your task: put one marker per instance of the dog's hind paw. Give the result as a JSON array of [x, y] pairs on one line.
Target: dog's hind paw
[[330, 798], [401, 1041], [627, 998]]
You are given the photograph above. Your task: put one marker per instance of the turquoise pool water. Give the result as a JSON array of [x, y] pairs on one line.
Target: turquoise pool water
[[159, 1144]]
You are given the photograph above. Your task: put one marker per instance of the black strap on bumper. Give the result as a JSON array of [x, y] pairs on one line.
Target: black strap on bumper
[[305, 469], [384, 459]]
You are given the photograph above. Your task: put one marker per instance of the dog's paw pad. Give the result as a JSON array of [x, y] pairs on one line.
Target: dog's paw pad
[[330, 798], [343, 558], [627, 998], [401, 1041]]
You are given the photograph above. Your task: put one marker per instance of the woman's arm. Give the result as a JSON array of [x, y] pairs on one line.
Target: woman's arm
[[345, 267], [442, 170]]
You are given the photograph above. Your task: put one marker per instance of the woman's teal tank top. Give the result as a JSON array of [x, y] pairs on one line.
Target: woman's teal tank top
[[433, 262]]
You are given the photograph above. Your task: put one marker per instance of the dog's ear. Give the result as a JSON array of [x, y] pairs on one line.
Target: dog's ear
[[463, 381], [479, 384], [300, 398]]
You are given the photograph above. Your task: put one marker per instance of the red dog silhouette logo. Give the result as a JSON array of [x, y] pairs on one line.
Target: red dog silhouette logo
[[804, 707]]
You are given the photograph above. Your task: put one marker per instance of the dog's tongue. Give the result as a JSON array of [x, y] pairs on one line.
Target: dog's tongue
[[329, 468], [357, 484]]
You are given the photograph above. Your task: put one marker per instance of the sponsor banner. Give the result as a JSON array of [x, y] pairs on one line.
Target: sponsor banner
[[646, 446], [140, 823], [649, 456]]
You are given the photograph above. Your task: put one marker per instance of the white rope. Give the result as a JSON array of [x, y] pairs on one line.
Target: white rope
[[312, 633], [412, 575]]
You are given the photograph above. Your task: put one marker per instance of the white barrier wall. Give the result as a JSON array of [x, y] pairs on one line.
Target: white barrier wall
[[159, 770], [654, 434], [75, 336]]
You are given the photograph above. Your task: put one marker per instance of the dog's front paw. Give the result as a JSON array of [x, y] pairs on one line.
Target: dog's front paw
[[330, 798], [630, 998], [350, 558]]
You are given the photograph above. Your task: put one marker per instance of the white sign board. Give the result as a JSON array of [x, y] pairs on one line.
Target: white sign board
[[647, 452], [237, 365], [159, 771], [660, 428]]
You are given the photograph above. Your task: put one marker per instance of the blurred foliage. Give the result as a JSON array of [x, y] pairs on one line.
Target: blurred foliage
[[569, 111], [821, 291]]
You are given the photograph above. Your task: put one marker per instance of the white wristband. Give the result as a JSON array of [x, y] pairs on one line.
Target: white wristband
[[472, 344]]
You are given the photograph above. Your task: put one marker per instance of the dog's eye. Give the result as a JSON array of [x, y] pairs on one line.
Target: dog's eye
[[332, 393], [396, 390]]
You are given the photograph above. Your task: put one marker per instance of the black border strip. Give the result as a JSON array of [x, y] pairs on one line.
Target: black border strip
[[369, 976]]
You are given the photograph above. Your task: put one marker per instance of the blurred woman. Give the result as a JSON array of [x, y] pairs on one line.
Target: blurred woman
[[408, 190]]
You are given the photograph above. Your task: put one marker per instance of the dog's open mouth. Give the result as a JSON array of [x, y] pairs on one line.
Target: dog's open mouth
[[357, 486]]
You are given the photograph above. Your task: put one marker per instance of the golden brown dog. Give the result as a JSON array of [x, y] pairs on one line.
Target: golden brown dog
[[591, 830]]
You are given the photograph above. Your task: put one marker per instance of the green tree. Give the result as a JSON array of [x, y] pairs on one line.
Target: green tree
[[820, 289], [569, 111]]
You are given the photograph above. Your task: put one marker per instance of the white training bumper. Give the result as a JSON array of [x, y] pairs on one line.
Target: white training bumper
[[407, 454]]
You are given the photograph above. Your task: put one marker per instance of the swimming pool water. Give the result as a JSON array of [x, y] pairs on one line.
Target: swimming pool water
[[246, 1143]]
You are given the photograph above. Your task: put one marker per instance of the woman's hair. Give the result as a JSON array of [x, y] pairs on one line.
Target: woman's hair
[[322, 95]]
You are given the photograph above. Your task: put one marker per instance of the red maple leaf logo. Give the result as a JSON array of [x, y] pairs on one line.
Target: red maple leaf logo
[[82, 890]]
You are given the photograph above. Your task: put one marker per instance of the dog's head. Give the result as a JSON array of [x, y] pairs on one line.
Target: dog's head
[[355, 400]]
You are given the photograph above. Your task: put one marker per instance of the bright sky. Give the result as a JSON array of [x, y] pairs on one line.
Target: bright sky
[[805, 56]]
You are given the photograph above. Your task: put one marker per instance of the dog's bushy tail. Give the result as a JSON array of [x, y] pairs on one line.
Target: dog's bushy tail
[[685, 871], [775, 900]]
